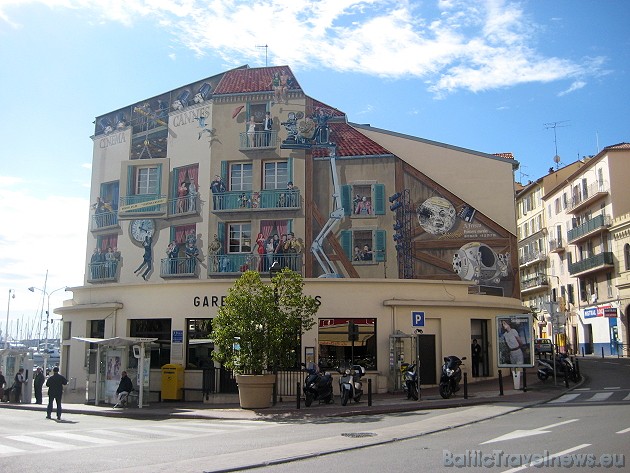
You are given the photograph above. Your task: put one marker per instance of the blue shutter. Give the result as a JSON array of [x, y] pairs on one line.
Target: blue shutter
[[378, 196], [221, 235], [290, 169], [379, 238], [346, 199], [345, 237]]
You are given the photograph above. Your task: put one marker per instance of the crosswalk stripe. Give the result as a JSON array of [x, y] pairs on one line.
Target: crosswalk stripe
[[5, 449], [40, 442], [156, 431], [599, 397], [627, 398], [565, 398], [82, 438], [191, 429]]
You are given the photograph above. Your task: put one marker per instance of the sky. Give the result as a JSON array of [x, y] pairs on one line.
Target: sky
[[533, 78]]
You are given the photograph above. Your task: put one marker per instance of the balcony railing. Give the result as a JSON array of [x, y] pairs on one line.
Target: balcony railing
[[103, 271], [132, 206], [592, 193], [556, 246], [592, 264], [258, 140], [279, 199], [231, 264], [179, 267], [597, 223], [533, 257], [184, 206], [104, 220], [538, 282]]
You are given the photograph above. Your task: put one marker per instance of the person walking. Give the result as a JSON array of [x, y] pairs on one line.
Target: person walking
[[38, 384], [55, 386], [3, 383], [18, 381], [475, 349]]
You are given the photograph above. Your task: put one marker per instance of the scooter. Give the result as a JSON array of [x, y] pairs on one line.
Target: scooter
[[350, 384], [451, 375], [410, 380], [563, 364], [317, 386]]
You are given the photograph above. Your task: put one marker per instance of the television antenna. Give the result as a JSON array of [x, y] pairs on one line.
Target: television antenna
[[555, 125], [266, 50]]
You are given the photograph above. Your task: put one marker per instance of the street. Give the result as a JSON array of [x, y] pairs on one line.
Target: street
[[592, 421]]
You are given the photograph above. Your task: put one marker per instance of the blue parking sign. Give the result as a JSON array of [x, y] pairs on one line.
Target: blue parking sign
[[417, 319]]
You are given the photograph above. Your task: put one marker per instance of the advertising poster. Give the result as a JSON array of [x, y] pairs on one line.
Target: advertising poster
[[515, 341]]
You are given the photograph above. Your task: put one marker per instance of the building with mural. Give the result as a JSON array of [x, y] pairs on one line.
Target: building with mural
[[406, 240]]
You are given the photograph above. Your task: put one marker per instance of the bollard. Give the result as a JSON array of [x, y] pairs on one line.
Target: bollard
[[500, 384], [369, 392], [524, 380], [297, 396], [582, 352], [465, 385], [566, 377], [602, 352]]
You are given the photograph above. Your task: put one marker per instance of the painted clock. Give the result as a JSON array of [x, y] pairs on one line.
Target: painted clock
[[142, 228]]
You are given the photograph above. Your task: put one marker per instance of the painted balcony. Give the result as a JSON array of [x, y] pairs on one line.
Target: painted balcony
[[235, 264], [260, 140], [279, 199], [593, 264], [103, 272], [179, 268], [184, 206], [142, 206], [104, 221], [588, 228]]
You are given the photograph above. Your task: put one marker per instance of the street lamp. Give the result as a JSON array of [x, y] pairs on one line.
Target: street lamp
[[6, 328], [47, 294]]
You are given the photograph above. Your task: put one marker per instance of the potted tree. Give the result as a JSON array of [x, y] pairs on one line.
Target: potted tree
[[258, 329]]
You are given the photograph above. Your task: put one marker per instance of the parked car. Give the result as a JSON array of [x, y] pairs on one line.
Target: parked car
[[543, 345]]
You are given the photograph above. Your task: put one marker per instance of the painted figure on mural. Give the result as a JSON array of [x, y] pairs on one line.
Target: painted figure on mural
[[267, 127], [192, 256], [147, 258], [217, 186], [172, 252], [214, 248]]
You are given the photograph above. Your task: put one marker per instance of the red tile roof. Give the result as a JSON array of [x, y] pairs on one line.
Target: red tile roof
[[619, 146], [504, 155], [248, 80]]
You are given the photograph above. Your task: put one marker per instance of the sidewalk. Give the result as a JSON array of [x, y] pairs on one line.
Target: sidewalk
[[483, 392]]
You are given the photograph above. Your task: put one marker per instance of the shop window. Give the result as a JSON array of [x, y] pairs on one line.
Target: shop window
[[154, 328], [364, 246], [198, 344], [346, 341]]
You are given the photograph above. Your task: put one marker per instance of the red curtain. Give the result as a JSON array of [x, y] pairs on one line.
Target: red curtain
[[184, 230]]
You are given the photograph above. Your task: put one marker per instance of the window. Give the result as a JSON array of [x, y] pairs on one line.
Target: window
[[241, 177], [276, 175], [240, 238], [347, 341], [609, 284], [154, 328], [626, 256], [565, 201], [363, 199], [364, 246], [557, 205], [147, 180], [199, 346]]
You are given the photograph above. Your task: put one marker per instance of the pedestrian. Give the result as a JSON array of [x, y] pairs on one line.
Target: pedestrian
[[55, 386], [475, 349], [3, 383], [18, 381], [38, 383]]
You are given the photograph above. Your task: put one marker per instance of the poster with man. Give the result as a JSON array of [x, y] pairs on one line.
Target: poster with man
[[515, 341]]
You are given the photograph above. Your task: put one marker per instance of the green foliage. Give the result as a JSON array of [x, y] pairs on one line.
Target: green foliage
[[260, 324]]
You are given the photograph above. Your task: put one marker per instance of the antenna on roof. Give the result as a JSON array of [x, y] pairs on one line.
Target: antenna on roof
[[266, 49], [554, 125]]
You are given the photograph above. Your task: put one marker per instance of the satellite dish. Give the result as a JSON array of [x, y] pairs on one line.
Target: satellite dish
[[556, 159]]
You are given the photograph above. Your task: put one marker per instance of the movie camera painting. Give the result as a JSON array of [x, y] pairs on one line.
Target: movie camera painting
[[515, 341]]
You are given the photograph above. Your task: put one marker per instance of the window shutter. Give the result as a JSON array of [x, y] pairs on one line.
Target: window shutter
[[346, 199], [224, 173], [290, 169], [378, 193], [221, 236], [159, 183], [345, 237], [131, 185], [379, 239]]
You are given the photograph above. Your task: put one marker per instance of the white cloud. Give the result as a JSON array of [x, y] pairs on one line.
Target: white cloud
[[575, 86], [451, 45]]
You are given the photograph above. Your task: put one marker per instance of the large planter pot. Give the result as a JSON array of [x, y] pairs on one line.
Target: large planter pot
[[255, 391]]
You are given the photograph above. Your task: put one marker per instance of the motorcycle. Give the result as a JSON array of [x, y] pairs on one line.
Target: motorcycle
[[350, 384], [410, 380], [563, 364], [451, 375], [317, 386]]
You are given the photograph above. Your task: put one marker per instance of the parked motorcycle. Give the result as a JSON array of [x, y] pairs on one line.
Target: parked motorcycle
[[451, 375], [563, 363], [350, 384], [317, 386], [410, 380]]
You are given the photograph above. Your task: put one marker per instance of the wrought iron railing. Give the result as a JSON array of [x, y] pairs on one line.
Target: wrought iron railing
[[179, 267], [593, 190], [258, 140], [594, 262], [142, 203], [182, 206], [103, 271], [595, 223], [102, 220], [241, 262], [266, 199], [556, 245], [532, 257], [534, 282]]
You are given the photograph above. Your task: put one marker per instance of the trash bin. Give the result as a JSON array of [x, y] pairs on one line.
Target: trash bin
[[518, 381], [172, 382]]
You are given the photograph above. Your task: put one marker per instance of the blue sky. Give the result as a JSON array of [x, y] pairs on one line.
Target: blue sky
[[484, 75]]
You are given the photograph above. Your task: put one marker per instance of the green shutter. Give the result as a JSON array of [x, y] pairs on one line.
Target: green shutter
[[131, 173], [221, 235], [345, 237], [174, 183], [346, 199], [224, 172], [378, 193], [379, 238], [290, 169], [159, 171]]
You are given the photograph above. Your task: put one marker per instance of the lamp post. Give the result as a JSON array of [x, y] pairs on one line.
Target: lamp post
[[6, 327], [47, 294]]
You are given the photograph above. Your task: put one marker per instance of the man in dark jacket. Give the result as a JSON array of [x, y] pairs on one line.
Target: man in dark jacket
[[124, 388], [55, 389], [38, 384]]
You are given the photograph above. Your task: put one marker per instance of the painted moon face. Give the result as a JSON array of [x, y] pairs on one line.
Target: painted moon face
[[436, 215]]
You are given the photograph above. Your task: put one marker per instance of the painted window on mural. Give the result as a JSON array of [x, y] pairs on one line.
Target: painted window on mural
[[363, 200], [276, 175], [147, 180], [240, 238], [241, 177], [364, 246], [344, 341]]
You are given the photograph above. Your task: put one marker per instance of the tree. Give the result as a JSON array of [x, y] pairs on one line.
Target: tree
[[260, 324]]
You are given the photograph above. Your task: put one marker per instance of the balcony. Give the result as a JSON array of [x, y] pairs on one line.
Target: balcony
[[104, 221], [260, 140], [142, 206], [587, 229], [237, 263], [283, 199], [535, 284], [184, 206], [102, 272], [593, 264], [179, 268], [594, 192], [532, 258], [556, 246]]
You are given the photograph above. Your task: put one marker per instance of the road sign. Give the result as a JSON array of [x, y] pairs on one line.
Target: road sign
[[417, 319]]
